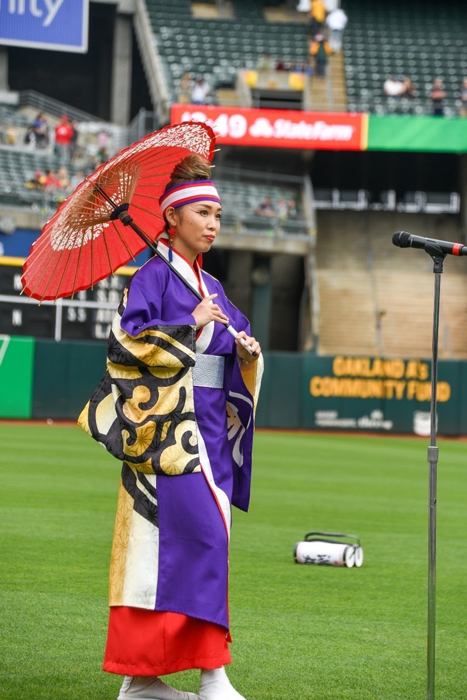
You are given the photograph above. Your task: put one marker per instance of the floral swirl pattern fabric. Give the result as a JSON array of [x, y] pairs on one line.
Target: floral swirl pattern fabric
[[143, 409]]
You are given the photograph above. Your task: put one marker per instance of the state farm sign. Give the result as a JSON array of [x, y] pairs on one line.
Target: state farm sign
[[279, 128]]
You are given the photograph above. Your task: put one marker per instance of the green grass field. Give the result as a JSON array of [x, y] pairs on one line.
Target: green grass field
[[300, 632]]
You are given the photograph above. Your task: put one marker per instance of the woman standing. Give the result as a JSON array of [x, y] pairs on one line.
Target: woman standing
[[176, 405]]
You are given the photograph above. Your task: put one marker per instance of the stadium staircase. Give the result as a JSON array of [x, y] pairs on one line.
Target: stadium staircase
[[378, 300], [420, 39], [329, 94]]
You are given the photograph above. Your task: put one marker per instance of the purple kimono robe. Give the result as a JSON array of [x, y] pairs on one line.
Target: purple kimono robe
[[182, 470]]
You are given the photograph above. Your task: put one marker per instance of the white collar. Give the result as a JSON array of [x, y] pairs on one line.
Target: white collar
[[181, 264]]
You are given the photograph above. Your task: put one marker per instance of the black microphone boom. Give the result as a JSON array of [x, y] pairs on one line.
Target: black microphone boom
[[402, 239]]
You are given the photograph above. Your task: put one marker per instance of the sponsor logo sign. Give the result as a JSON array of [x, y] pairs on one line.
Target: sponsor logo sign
[[376, 394], [60, 25], [279, 128]]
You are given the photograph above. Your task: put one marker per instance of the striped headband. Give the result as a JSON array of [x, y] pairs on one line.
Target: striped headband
[[189, 193]]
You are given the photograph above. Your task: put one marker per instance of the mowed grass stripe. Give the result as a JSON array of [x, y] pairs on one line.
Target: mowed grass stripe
[[304, 633]]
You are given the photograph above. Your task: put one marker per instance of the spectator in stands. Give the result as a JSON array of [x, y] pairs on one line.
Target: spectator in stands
[[282, 210], [102, 139], [37, 182], [200, 91], [76, 180], [11, 135], [186, 87], [51, 181], [320, 49], [463, 98], [408, 89], [306, 68], [63, 179], [317, 17], [74, 138], [266, 63], [393, 87], [40, 129], [437, 96], [280, 65], [266, 209], [292, 211], [336, 21], [63, 137], [29, 137], [102, 155]]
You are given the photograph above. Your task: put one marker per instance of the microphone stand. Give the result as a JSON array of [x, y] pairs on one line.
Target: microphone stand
[[437, 255]]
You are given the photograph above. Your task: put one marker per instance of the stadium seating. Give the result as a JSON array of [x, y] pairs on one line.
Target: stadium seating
[[11, 116], [218, 48], [18, 167], [417, 39], [240, 198]]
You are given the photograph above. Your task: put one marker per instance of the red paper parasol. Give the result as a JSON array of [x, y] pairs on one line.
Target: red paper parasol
[[86, 239]]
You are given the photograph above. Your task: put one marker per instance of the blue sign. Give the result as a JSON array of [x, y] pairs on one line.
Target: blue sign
[[18, 245], [58, 25]]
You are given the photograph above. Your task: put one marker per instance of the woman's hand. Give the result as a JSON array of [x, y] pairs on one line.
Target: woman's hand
[[206, 312], [253, 344]]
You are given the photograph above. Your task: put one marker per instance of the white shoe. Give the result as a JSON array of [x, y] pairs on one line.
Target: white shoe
[[216, 686], [150, 688]]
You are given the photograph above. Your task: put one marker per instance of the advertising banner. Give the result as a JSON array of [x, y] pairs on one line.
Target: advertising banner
[[16, 376], [375, 394], [60, 25], [424, 134], [327, 130], [279, 128]]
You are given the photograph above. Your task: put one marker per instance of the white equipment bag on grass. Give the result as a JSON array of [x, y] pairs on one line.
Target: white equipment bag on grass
[[318, 548]]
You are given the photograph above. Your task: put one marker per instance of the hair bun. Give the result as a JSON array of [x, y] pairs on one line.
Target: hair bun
[[190, 169]]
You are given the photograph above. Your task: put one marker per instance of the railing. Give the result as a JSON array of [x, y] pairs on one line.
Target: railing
[[87, 122], [247, 222], [388, 200], [144, 123], [31, 98]]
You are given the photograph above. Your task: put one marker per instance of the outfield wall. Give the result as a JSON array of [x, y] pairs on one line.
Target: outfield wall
[[44, 379]]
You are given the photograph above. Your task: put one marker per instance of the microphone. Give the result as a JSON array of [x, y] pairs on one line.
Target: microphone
[[402, 239]]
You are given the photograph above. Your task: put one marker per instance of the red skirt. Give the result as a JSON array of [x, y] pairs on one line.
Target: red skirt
[[151, 643]]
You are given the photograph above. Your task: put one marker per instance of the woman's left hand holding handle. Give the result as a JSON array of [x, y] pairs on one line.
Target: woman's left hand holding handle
[[253, 344]]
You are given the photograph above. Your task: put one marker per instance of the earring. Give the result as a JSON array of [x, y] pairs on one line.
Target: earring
[[172, 232]]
